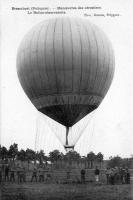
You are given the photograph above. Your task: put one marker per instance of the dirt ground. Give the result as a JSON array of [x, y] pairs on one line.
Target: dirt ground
[[41, 191]]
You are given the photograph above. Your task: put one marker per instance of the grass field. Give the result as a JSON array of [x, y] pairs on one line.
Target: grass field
[[41, 191]]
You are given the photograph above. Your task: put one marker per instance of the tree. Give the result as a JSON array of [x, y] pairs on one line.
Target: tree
[[54, 156], [72, 156], [90, 158], [99, 158], [21, 155], [115, 162], [84, 160], [0, 152], [13, 150], [3, 153], [130, 163], [40, 156], [30, 155]]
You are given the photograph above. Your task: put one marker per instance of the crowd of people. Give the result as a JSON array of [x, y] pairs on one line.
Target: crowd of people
[[118, 175], [19, 174], [113, 175], [9, 174]]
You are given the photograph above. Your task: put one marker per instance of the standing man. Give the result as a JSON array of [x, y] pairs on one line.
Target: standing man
[[7, 173], [41, 175], [22, 175], [12, 175], [82, 175], [123, 172], [68, 173], [34, 175], [127, 177], [97, 173], [107, 174], [0, 174], [18, 174], [112, 176]]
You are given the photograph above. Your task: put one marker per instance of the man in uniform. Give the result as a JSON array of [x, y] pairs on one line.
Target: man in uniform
[[12, 175], [0, 174], [82, 175], [34, 175], [97, 173], [41, 175], [7, 173]]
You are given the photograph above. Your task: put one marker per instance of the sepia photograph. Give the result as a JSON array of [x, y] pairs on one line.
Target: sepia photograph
[[66, 100]]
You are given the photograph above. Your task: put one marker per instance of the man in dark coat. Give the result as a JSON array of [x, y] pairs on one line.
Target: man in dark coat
[[7, 173], [82, 175], [97, 173], [34, 175]]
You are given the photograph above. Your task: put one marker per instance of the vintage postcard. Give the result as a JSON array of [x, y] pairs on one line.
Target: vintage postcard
[[66, 100]]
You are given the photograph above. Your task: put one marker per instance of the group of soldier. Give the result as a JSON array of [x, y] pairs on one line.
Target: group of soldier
[[96, 173], [19, 174], [118, 175], [113, 175], [10, 174]]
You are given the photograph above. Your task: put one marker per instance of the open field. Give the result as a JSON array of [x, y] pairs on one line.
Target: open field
[[58, 188], [88, 191]]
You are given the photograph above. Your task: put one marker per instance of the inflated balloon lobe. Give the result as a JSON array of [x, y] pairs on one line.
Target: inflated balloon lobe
[[65, 66]]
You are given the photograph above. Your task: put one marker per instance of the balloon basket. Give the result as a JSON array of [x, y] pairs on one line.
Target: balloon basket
[[69, 148]]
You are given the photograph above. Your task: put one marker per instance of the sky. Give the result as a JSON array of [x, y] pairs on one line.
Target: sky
[[110, 129]]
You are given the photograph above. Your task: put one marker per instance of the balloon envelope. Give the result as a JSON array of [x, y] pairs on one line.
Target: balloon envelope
[[65, 66]]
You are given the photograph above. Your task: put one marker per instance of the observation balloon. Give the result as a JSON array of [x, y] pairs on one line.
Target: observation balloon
[[65, 66]]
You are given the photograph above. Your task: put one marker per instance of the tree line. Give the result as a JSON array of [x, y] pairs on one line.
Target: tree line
[[29, 155]]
